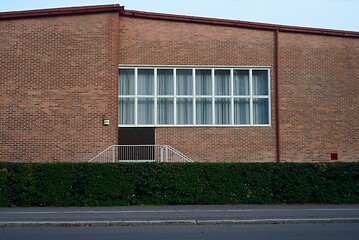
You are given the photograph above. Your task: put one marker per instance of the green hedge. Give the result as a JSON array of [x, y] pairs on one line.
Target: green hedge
[[91, 184]]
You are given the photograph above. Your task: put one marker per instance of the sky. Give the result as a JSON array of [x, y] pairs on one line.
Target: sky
[[330, 14]]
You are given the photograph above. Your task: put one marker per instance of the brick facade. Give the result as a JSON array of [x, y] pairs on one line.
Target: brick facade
[[319, 97], [59, 80], [154, 42]]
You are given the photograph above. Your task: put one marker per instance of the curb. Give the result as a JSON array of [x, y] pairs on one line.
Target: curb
[[177, 222]]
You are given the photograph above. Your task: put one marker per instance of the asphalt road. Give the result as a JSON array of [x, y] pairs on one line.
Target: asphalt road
[[347, 231], [137, 215]]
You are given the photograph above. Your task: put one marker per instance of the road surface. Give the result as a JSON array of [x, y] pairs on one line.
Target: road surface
[[331, 231], [149, 215]]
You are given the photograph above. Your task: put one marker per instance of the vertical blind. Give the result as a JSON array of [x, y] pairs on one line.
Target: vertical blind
[[193, 96]]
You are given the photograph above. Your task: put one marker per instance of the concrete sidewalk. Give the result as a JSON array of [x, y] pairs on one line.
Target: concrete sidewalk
[[159, 215]]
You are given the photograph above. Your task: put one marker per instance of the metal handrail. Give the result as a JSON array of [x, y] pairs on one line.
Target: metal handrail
[[101, 153], [179, 153], [140, 153]]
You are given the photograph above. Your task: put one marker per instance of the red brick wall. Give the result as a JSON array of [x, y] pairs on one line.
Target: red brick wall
[[58, 80], [319, 88], [242, 144], [156, 42]]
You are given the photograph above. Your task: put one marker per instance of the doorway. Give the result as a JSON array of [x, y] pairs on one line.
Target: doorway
[[134, 137]]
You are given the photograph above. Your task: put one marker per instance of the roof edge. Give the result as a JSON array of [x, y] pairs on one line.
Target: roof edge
[[61, 11], [238, 23], [173, 17]]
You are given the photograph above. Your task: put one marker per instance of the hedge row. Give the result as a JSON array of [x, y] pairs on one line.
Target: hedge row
[[91, 184]]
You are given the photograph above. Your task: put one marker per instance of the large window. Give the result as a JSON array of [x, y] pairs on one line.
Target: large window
[[183, 96]]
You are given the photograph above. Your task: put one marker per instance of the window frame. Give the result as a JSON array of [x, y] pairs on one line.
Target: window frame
[[193, 96]]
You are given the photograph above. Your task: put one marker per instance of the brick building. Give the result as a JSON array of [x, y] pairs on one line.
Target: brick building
[[216, 90]]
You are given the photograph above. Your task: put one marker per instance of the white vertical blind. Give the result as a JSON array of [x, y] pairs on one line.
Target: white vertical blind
[[126, 82], [204, 111], [260, 111], [222, 82], [223, 111], [184, 111], [184, 82], [203, 82], [241, 82], [165, 82], [260, 82], [145, 111], [145, 82], [126, 106], [165, 110], [241, 111], [126, 110]]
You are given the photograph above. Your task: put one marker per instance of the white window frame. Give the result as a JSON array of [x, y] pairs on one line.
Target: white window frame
[[213, 97]]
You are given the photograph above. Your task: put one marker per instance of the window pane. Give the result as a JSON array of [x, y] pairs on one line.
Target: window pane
[[203, 82], [223, 110], [184, 80], [222, 80], [241, 82], [126, 111], [204, 111], [145, 82], [184, 111], [260, 111], [260, 82], [165, 111], [126, 82], [145, 111], [164, 82], [241, 111]]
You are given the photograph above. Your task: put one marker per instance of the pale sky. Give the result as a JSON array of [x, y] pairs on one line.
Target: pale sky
[[331, 14]]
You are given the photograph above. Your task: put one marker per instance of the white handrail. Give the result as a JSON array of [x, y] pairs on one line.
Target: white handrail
[[179, 153], [100, 153], [140, 153]]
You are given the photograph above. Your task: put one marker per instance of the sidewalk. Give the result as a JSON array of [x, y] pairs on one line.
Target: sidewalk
[[159, 215]]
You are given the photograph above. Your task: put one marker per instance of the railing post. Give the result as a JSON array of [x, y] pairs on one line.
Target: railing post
[[166, 152], [113, 153], [161, 154]]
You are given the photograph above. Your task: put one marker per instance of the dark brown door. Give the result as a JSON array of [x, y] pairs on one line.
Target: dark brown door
[[137, 136]]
